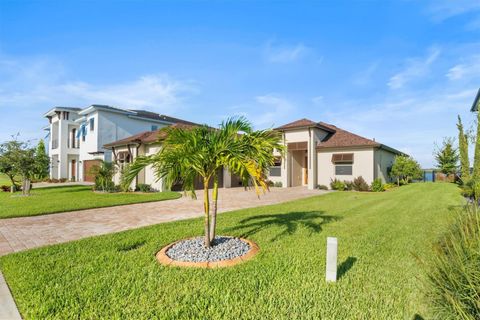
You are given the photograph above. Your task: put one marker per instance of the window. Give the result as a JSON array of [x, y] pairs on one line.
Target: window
[[342, 158], [343, 170], [154, 128], [92, 124]]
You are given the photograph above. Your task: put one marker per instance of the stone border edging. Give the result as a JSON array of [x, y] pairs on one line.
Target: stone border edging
[[167, 261]]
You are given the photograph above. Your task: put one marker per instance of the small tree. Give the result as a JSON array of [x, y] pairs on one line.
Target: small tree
[[447, 157], [25, 166], [463, 150], [7, 151], [18, 159], [42, 161], [405, 169]]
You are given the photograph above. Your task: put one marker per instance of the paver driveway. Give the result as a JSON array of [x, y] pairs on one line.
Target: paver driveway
[[17, 234]]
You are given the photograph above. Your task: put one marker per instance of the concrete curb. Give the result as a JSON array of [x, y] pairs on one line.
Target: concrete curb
[[8, 308]]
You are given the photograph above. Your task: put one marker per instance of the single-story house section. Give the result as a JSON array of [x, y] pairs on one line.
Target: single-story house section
[[125, 151], [317, 152]]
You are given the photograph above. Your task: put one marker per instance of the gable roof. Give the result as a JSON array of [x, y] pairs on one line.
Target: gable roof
[[336, 137], [147, 137], [345, 139], [303, 123]]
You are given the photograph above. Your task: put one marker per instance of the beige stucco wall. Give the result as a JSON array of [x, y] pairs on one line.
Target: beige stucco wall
[[383, 160], [363, 165], [150, 177]]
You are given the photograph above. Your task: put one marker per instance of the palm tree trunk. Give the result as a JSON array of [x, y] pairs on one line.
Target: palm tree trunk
[[213, 222], [206, 208]]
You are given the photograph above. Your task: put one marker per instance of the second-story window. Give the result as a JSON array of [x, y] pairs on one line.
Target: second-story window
[[92, 124]]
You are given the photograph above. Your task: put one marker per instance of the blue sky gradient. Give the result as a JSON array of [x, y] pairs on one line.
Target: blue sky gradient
[[398, 71]]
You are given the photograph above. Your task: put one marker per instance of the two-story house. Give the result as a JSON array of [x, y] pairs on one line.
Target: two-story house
[[77, 136]]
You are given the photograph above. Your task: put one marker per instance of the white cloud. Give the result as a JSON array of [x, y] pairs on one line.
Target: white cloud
[[444, 9], [317, 100], [415, 68], [276, 109], [284, 54], [42, 82], [470, 68]]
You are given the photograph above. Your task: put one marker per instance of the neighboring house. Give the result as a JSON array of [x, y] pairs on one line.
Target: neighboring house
[[77, 136], [316, 153]]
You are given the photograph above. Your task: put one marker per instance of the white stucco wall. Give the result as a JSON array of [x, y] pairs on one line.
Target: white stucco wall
[[383, 160], [60, 131], [150, 177], [363, 165]]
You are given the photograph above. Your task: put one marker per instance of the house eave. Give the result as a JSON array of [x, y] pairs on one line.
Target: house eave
[[476, 102], [317, 126]]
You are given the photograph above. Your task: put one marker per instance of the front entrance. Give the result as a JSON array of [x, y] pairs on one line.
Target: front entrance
[[299, 168], [74, 170]]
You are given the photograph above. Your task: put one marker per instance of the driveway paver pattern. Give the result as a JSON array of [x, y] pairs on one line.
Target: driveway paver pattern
[[17, 234]]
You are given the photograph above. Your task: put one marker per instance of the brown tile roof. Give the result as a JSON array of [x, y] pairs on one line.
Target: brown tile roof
[[147, 136], [336, 138], [302, 123], [343, 138]]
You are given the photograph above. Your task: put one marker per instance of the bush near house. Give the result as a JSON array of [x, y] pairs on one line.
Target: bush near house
[[278, 184], [359, 184], [143, 187], [377, 186], [322, 187], [337, 185]]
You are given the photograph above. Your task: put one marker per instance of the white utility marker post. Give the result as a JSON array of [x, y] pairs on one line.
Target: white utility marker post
[[331, 272]]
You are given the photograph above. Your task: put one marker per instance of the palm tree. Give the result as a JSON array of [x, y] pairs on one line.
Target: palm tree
[[189, 153]]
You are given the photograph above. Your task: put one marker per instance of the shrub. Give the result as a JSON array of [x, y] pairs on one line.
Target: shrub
[[322, 187], [455, 276], [107, 186], [62, 180], [143, 187], [359, 184], [377, 185], [270, 183], [388, 186], [278, 184], [5, 188], [337, 185], [348, 185]]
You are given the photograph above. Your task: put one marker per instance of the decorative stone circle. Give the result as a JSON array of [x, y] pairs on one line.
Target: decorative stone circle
[[226, 252]]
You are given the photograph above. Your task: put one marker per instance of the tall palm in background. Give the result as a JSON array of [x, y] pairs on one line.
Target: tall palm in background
[[202, 151]]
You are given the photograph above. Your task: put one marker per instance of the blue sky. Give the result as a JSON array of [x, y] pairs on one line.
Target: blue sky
[[397, 71]]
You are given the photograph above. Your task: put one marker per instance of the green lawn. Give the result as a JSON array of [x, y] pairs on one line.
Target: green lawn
[[380, 237], [60, 199], [4, 180]]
